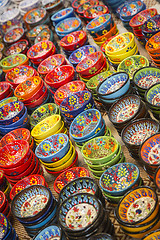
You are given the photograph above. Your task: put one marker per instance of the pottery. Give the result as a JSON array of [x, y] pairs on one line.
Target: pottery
[[155, 234], [151, 26], [153, 45], [82, 7], [130, 9], [50, 232], [34, 16], [13, 35], [26, 6], [101, 236], [95, 11], [152, 95], [61, 15], [18, 47], [4, 225], [68, 25], [5, 89], [13, 61], [33, 33]]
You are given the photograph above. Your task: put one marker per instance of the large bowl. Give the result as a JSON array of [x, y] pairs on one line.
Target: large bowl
[[151, 26], [34, 17], [62, 14], [13, 35], [13, 61], [68, 25], [18, 47], [130, 9]]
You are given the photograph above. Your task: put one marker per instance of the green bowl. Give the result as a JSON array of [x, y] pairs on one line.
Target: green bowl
[[7, 100], [13, 61]]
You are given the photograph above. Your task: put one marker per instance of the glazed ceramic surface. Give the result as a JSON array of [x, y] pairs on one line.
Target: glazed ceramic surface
[[40, 49], [68, 176], [153, 235], [52, 232], [44, 35], [36, 30], [35, 15], [13, 35], [16, 48], [132, 64], [4, 226], [153, 95], [13, 61], [131, 8], [151, 25], [86, 5], [95, 11], [68, 25], [77, 3]]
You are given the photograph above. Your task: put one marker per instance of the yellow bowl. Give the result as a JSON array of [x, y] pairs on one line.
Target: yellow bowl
[[65, 164], [120, 44], [99, 43], [65, 131], [47, 127], [7, 190], [62, 160]]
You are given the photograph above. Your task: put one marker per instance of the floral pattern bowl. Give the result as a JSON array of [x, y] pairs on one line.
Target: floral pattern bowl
[[95, 11], [82, 7], [62, 14], [120, 178], [77, 3], [131, 8], [33, 17], [157, 178], [53, 231], [5, 89], [33, 33], [13, 35], [76, 103], [18, 47], [13, 61], [69, 175], [45, 35], [152, 96], [68, 25], [155, 234], [100, 150], [151, 26], [132, 64]]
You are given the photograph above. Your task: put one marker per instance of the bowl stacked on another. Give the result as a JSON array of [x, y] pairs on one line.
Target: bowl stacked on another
[[114, 4], [119, 179], [94, 11], [54, 231], [35, 208], [151, 27], [7, 231], [5, 90], [5, 208], [82, 7], [138, 212], [61, 15], [4, 184]]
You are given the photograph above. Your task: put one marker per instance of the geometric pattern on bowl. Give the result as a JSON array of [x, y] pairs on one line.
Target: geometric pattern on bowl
[[86, 124], [153, 95], [51, 232], [68, 176], [132, 64], [119, 178]]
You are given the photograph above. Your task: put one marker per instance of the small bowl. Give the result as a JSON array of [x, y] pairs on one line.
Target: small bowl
[[34, 17], [45, 35], [87, 4], [95, 11], [62, 14], [77, 3], [13, 35], [33, 33], [53, 231], [5, 225], [152, 235], [18, 47], [109, 35], [68, 25], [151, 26], [13, 61], [153, 45]]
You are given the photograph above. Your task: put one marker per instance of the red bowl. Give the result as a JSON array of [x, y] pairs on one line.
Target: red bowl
[[60, 76], [5, 89], [3, 201], [77, 3], [94, 12], [39, 101], [6, 210], [50, 63], [37, 168], [31, 144], [14, 154], [82, 7], [90, 64], [73, 40], [19, 47]]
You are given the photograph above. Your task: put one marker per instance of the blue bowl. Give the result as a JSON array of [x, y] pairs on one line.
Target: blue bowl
[[81, 53], [64, 34], [114, 86], [62, 14], [53, 148], [53, 231], [67, 26]]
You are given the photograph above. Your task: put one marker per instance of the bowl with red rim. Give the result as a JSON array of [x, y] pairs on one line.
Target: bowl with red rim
[[77, 3], [40, 50], [19, 74], [13, 35], [95, 11], [69, 175], [67, 89], [37, 62], [59, 76], [50, 63], [73, 40], [81, 9], [34, 179], [19, 47], [39, 101], [14, 154], [5, 89], [90, 64]]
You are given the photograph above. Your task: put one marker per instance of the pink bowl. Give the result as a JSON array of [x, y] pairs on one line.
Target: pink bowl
[[5, 89]]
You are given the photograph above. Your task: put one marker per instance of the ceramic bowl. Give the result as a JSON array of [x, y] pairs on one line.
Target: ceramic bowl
[[52, 6], [111, 33], [4, 225], [19, 74], [59, 76], [18, 47], [69, 175], [46, 127], [157, 177], [5, 89], [34, 17], [119, 178], [77, 3], [76, 103], [53, 231], [113, 86], [85, 125], [62, 14], [130, 9], [68, 25], [27, 88], [153, 46], [13, 61], [95, 11], [33, 33], [44, 35], [151, 96], [13, 35], [73, 40], [152, 235], [100, 149], [151, 25], [132, 64], [82, 7], [42, 112]]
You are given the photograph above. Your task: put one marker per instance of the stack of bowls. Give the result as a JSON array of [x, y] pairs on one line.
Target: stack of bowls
[[137, 219], [114, 4], [75, 104], [5, 208], [94, 11], [19, 47], [77, 3], [59, 76], [13, 115], [30, 180], [43, 112], [138, 20], [19, 74], [77, 225], [121, 47], [153, 49], [151, 27], [152, 235], [33, 33], [136, 132], [149, 153], [32, 92], [52, 6], [7, 231], [118, 180], [5, 90], [7, 100], [67, 26], [56, 152], [113, 87], [91, 65], [144, 78], [35, 208], [45, 35], [82, 7], [40, 51], [47, 127], [67, 89], [125, 109], [152, 100], [18, 161], [53, 231], [13, 35], [61, 15]]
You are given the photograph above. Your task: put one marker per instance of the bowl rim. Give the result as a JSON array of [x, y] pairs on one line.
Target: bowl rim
[[100, 26], [42, 56], [101, 5], [17, 43], [62, 17], [146, 93], [66, 19], [73, 43]]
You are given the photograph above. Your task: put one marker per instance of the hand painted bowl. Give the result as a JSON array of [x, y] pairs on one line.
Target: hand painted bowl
[[81, 9], [85, 125], [18, 47], [13, 61], [4, 90], [52, 231], [100, 149], [132, 64], [120, 178], [101, 236], [68, 176], [19, 74], [73, 40], [44, 35], [59, 76], [79, 54], [27, 88], [76, 103], [67, 89], [34, 16], [113, 86], [130, 9], [33, 33], [42, 112], [152, 96], [31, 202], [151, 25], [62, 14], [68, 25], [13, 35], [95, 11], [153, 46], [77, 3], [120, 44], [46, 127], [90, 64]]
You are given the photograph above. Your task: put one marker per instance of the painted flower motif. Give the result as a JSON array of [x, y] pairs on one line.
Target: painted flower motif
[[44, 45], [81, 36], [122, 172], [142, 61], [42, 109], [78, 54], [16, 70], [70, 176], [60, 95], [61, 140], [73, 87], [106, 180], [18, 189], [46, 147], [93, 70], [36, 80], [33, 181], [80, 120], [149, 25], [72, 100], [86, 96], [128, 63], [140, 18], [16, 105], [70, 39]]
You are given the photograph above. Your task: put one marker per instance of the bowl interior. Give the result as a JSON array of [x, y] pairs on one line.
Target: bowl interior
[[89, 61], [11, 110], [44, 35], [86, 5], [152, 95], [131, 8], [68, 24], [95, 11], [4, 86], [13, 60], [35, 31], [97, 22], [62, 13], [35, 15], [16, 48], [50, 232], [13, 35], [72, 38], [40, 49]]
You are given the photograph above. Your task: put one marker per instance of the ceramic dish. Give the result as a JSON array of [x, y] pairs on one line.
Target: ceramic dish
[[130, 9], [152, 95], [44, 35], [82, 7], [18, 47], [34, 16], [13, 61], [95, 11], [13, 35], [52, 231], [32, 34], [5, 89], [62, 14], [68, 25]]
